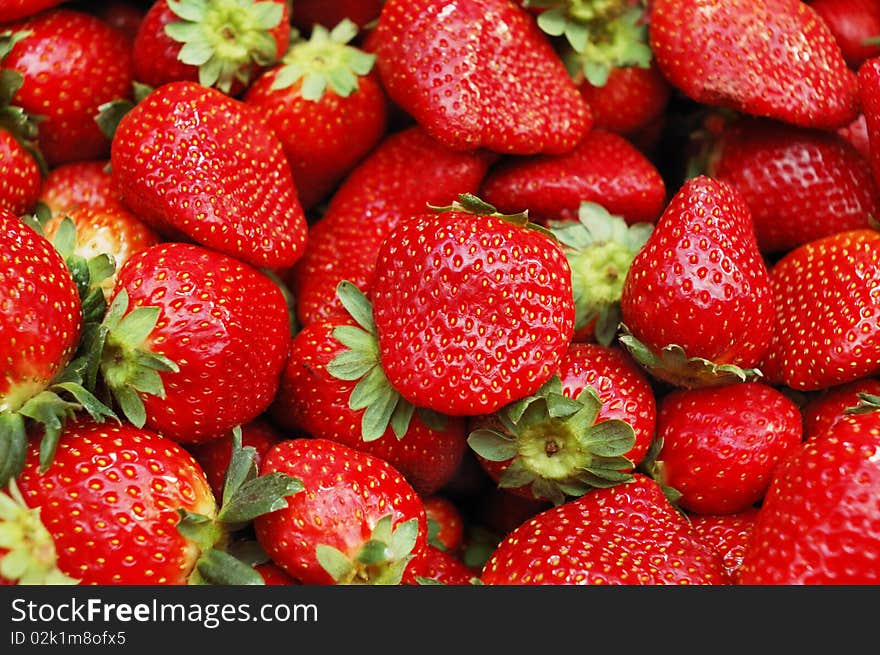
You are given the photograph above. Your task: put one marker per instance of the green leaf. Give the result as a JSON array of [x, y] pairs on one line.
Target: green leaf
[[334, 562], [552, 21], [609, 438], [267, 14], [351, 365], [401, 417], [191, 10], [13, 446], [194, 53], [242, 467], [356, 304], [492, 446], [372, 553], [131, 405], [516, 475], [135, 327], [403, 539], [313, 86], [260, 496], [220, 568]]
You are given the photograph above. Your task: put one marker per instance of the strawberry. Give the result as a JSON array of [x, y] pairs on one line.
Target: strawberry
[[588, 427], [445, 523], [729, 534], [771, 58], [313, 400], [509, 94], [325, 103], [273, 574], [358, 520], [869, 95], [626, 534], [14, 9], [382, 190], [720, 445], [603, 168], [501, 511], [825, 293], [856, 133], [124, 15], [22, 179], [799, 184], [214, 456], [125, 505], [79, 62], [85, 183], [445, 569], [825, 408], [696, 301], [195, 164], [202, 349], [330, 12], [472, 310], [222, 44], [855, 25], [818, 522]]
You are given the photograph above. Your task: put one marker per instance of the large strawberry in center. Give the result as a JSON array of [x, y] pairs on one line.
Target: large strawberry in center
[[198, 165]]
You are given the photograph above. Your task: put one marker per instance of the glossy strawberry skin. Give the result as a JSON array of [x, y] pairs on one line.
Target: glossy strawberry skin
[[432, 272], [79, 62], [721, 444], [323, 139], [446, 569], [799, 184], [772, 58], [825, 296], [15, 9], [407, 171], [603, 168], [449, 520], [818, 522], [311, 400], [346, 493], [852, 22], [478, 74], [195, 164], [869, 95], [226, 326], [729, 534], [155, 54], [628, 534], [699, 281], [330, 13], [21, 182], [110, 501], [822, 410], [41, 319], [85, 183]]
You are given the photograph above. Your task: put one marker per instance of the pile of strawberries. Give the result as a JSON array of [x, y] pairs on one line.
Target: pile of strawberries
[[464, 292]]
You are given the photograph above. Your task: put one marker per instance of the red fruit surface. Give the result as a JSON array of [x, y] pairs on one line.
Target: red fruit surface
[[852, 22], [471, 311], [825, 408], [440, 510], [85, 183], [626, 534], [346, 493], [720, 445], [729, 534], [197, 165], [330, 12], [224, 323], [21, 180], [444, 568], [478, 73], [110, 501]]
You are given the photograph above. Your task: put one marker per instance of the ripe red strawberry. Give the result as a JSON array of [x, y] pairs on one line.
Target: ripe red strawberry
[[357, 521], [628, 534], [589, 427], [110, 502], [869, 95], [825, 294], [445, 569], [720, 445], [603, 168], [112, 231], [855, 25], [325, 103], [445, 523], [273, 574], [14, 9], [472, 310], [509, 93], [311, 399], [799, 184], [328, 13], [729, 534], [828, 406], [79, 62], [772, 58], [696, 301], [214, 455], [205, 349], [599, 248], [222, 44], [630, 100], [856, 133], [407, 171], [85, 183], [195, 164], [22, 178], [818, 522]]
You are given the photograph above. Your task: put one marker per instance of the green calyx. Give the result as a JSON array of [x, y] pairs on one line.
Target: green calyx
[[600, 248], [325, 61], [382, 404], [868, 403], [468, 203], [246, 495], [602, 35], [554, 445], [225, 39], [672, 365], [382, 560], [30, 557], [653, 467], [116, 348]]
